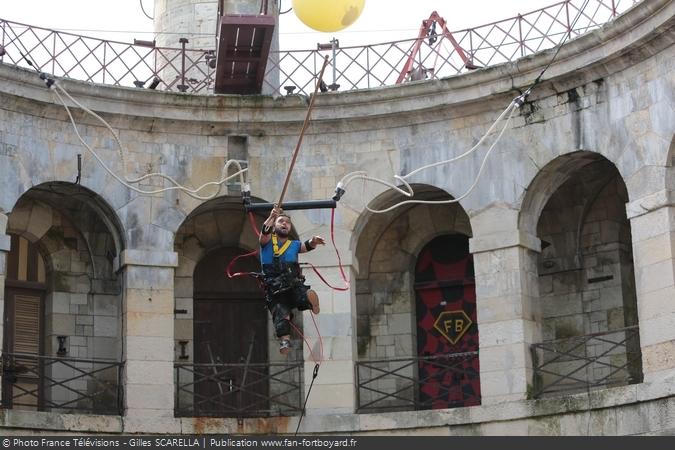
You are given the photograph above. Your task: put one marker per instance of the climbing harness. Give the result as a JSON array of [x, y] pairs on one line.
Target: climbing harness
[[275, 246]]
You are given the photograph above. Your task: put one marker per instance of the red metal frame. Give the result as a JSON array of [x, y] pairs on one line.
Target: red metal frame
[[426, 30]]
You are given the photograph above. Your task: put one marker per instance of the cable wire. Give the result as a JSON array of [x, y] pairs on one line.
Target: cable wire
[[128, 182], [143, 9], [407, 189]]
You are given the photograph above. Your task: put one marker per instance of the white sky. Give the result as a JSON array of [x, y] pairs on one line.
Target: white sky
[[381, 21]]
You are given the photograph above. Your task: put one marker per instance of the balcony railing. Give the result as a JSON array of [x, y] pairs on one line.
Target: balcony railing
[[187, 70], [65, 385], [418, 383], [238, 390], [592, 361]]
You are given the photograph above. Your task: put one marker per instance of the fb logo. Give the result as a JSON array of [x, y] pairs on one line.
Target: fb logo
[[452, 325]]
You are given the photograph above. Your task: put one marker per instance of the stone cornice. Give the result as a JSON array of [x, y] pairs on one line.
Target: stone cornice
[[592, 55]]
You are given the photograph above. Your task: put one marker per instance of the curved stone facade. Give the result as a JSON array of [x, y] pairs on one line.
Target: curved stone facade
[[596, 133]]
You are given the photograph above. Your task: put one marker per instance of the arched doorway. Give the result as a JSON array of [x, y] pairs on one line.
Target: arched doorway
[[447, 330], [230, 327], [403, 364], [62, 340], [586, 280]]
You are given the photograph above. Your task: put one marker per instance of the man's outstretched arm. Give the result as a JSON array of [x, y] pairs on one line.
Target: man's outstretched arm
[[310, 244]]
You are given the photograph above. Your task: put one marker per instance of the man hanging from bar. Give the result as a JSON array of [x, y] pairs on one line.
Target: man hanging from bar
[[285, 286]]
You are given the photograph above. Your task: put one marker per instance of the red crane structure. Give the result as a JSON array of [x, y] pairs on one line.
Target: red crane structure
[[428, 30]]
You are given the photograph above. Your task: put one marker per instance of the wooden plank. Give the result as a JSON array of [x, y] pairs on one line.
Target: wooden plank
[[243, 48]]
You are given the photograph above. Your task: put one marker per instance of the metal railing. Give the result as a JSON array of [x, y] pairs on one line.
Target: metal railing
[[65, 385], [417, 383], [592, 361], [181, 69], [238, 390]]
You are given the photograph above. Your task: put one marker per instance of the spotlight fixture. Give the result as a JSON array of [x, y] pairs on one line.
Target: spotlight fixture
[[155, 83], [142, 43]]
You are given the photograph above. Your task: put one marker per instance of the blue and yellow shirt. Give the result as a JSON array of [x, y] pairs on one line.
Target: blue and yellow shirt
[[287, 252]]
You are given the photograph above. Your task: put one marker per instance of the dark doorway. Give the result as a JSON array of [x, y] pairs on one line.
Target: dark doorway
[[230, 336], [447, 333]]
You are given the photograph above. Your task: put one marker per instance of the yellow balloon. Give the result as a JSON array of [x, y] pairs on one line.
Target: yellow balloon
[[328, 15]]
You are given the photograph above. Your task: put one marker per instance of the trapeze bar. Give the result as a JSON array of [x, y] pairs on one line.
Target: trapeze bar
[[289, 206]]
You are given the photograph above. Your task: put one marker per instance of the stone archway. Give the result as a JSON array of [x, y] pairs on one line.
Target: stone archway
[[387, 251], [224, 321], [585, 276], [79, 317]]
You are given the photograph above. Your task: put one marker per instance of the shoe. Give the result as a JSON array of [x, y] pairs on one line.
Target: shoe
[[285, 346], [314, 301]]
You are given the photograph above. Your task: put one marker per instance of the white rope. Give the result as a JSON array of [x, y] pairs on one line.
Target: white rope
[[128, 182], [408, 190]]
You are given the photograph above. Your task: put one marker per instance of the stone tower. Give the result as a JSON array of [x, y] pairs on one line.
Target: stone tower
[[197, 21]]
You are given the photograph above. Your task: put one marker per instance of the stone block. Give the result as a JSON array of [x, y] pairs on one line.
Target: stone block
[[140, 277], [654, 250], [148, 324], [59, 304], [149, 301], [84, 320], [105, 326], [658, 357], [652, 224], [147, 397], [508, 332], [183, 287], [150, 421], [149, 348], [331, 325], [333, 372], [400, 323], [331, 399], [334, 348], [78, 299], [655, 303], [499, 284], [183, 329], [106, 348], [3, 225], [655, 276], [40, 221], [62, 324], [149, 372], [107, 305], [505, 357]]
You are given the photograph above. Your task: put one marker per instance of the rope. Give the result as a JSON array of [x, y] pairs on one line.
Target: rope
[[127, 182], [305, 124], [143, 9], [409, 192], [309, 391]]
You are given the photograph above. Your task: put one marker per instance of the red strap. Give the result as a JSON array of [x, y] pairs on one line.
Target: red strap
[[228, 271], [318, 333], [342, 272]]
